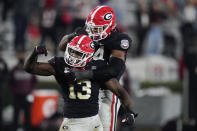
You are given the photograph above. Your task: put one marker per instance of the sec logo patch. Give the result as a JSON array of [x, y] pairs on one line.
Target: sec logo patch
[[124, 44]]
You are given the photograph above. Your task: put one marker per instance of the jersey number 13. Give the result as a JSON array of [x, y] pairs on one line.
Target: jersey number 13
[[86, 86]]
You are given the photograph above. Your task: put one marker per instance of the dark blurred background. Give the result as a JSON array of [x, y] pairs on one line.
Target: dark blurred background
[[161, 74]]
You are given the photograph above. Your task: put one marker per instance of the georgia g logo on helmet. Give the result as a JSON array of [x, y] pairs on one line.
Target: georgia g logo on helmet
[[108, 16], [92, 46], [100, 22]]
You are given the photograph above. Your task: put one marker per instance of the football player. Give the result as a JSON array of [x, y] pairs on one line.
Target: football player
[[81, 97], [112, 46]]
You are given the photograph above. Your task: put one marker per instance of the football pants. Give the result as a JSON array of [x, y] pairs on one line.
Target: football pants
[[82, 124], [108, 109]]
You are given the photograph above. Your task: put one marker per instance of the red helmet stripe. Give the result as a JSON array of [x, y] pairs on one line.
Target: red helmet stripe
[[93, 14]]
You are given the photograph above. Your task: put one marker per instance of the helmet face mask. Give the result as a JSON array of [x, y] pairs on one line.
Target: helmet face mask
[[97, 32], [79, 51], [74, 57], [75, 53], [100, 22]]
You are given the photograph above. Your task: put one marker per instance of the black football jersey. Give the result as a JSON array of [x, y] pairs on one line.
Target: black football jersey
[[117, 40], [81, 98]]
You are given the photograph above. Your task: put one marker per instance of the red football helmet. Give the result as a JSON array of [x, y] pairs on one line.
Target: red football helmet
[[100, 22], [79, 51]]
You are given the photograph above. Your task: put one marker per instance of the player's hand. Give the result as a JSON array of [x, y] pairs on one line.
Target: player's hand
[[80, 31], [128, 118], [70, 76], [41, 49]]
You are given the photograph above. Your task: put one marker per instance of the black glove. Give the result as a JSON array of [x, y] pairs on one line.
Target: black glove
[[70, 76], [41, 49], [128, 118]]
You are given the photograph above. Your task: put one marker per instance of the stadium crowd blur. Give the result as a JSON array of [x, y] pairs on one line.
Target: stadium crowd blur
[[158, 27]]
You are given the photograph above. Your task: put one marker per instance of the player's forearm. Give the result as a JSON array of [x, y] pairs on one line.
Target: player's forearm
[[122, 94], [31, 62], [65, 40], [124, 98]]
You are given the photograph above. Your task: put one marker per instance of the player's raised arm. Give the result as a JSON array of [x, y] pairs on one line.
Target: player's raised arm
[[67, 38], [64, 41], [124, 97], [32, 66]]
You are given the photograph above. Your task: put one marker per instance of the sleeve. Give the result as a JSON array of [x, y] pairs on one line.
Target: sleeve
[[122, 42], [58, 64], [54, 63]]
